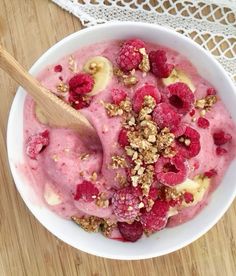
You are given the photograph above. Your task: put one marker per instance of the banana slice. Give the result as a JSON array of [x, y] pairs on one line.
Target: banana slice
[[178, 76], [102, 70], [197, 187], [40, 115], [172, 212], [50, 196]]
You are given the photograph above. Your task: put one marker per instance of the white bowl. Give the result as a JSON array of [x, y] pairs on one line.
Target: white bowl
[[162, 242]]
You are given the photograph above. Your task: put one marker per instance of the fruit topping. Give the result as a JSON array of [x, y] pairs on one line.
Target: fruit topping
[[129, 56], [221, 138], [58, 68], [101, 69], [159, 66], [80, 84], [36, 143], [125, 204], [118, 96], [221, 151], [171, 171], [155, 219], [142, 92], [178, 75], [188, 144], [180, 97], [203, 122], [86, 191], [123, 138], [130, 232], [165, 116], [210, 173]]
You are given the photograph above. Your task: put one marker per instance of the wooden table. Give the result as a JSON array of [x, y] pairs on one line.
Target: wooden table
[[27, 29]]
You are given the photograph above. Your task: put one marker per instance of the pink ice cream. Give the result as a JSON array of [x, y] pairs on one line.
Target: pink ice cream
[[67, 162]]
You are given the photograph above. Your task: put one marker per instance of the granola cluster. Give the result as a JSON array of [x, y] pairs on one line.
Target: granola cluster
[[146, 144], [95, 224]]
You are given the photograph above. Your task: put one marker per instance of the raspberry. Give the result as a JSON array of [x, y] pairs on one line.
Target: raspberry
[[188, 144], [188, 197], [165, 116], [129, 56], [180, 97], [146, 90], [180, 130], [81, 83], [86, 191], [58, 68], [221, 151], [125, 204], [123, 138], [203, 122], [221, 138], [170, 171], [36, 143], [153, 193], [130, 232], [176, 202], [158, 63], [211, 91], [156, 219], [192, 112], [211, 173], [78, 101], [118, 96]]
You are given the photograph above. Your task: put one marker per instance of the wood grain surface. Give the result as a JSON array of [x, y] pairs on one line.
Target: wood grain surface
[[27, 29]]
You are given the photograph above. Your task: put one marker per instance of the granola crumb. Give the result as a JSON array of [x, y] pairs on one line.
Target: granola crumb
[[89, 224], [118, 162]]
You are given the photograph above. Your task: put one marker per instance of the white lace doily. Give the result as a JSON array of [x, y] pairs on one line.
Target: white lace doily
[[211, 23]]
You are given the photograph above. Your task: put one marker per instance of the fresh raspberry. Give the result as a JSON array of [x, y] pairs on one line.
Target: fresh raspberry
[[165, 116], [159, 66], [156, 219], [36, 143], [180, 97], [125, 204], [81, 83], [123, 138], [58, 68], [180, 130], [203, 122], [86, 191], [118, 96], [130, 232], [176, 202], [188, 197], [146, 90], [221, 138], [170, 171], [211, 91], [129, 56], [79, 101], [192, 112], [211, 173], [188, 144], [221, 151], [153, 193]]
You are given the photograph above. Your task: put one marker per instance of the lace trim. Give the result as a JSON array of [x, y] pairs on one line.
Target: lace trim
[[210, 23]]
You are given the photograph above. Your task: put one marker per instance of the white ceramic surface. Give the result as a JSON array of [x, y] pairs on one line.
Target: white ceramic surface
[[162, 242]]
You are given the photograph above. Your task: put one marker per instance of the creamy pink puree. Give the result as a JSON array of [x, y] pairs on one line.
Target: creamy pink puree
[[66, 145]]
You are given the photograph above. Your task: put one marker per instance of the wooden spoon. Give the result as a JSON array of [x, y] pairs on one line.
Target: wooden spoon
[[58, 112]]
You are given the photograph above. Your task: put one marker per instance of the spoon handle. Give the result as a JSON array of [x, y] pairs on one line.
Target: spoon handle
[[57, 111]]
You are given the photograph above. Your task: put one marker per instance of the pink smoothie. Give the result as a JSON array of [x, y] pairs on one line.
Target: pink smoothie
[[66, 161]]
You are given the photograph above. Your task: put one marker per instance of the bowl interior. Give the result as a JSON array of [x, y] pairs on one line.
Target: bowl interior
[[162, 242]]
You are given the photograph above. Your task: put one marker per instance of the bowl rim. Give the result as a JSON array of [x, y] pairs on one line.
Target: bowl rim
[[15, 175]]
